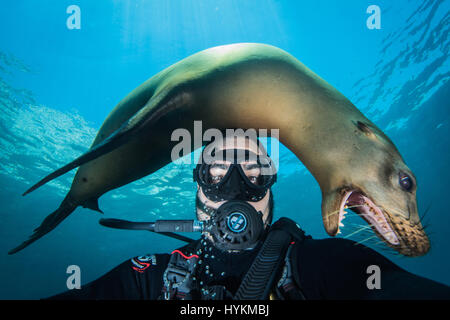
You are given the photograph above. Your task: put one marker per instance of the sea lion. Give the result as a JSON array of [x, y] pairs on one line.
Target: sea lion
[[257, 86]]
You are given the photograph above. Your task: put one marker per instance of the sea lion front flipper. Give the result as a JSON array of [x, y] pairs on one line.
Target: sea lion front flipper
[[150, 113]]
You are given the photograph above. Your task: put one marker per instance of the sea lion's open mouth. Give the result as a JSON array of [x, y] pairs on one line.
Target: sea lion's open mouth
[[374, 215]]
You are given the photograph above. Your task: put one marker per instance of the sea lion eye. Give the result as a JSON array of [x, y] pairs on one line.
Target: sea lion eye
[[405, 182]]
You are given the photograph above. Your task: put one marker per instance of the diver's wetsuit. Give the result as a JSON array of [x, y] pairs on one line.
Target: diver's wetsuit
[[326, 269]]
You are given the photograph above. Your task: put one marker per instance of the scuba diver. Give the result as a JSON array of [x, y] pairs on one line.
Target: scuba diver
[[242, 255]]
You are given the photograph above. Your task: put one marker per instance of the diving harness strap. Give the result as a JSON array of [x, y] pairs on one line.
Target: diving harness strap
[[265, 270]]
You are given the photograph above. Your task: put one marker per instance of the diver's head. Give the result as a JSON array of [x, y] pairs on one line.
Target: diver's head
[[234, 177]]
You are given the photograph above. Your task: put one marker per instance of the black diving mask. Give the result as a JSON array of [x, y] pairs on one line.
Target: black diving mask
[[235, 174]]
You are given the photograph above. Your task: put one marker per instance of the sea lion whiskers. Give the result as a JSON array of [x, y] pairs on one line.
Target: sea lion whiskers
[[424, 224], [358, 231], [367, 239], [380, 245], [367, 236]]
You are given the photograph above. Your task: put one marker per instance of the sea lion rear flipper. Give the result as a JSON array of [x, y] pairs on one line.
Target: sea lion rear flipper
[[92, 204], [49, 223]]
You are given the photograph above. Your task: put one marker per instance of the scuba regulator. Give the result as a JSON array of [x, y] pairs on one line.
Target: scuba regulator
[[235, 226]]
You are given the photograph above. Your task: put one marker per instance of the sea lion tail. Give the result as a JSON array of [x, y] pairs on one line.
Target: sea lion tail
[[50, 222]]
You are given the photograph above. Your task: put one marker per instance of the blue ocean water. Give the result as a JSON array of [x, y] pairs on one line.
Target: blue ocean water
[[57, 86]]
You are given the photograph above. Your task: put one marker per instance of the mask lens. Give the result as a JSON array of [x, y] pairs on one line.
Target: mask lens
[[252, 172], [217, 171], [259, 173]]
